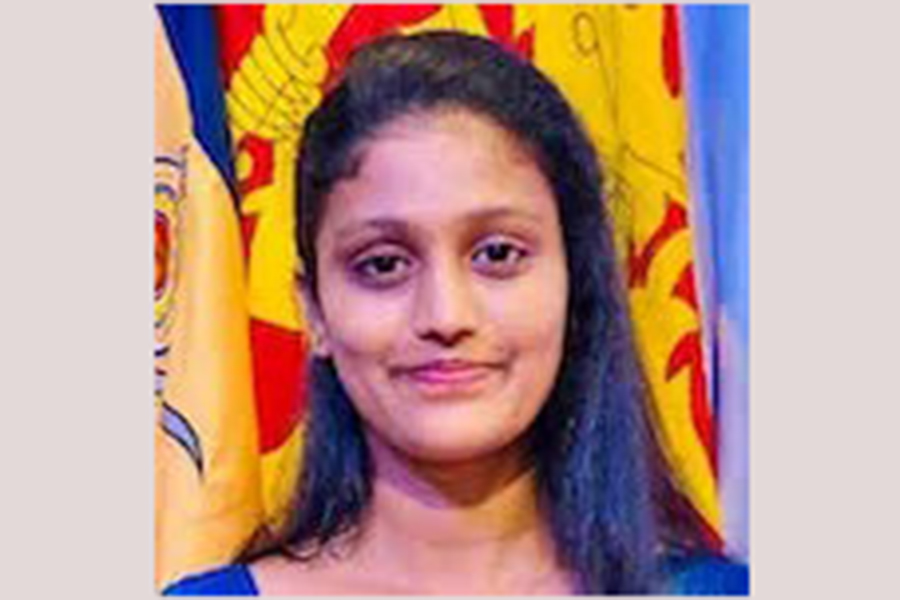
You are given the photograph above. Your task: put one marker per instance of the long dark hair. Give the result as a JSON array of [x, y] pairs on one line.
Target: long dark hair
[[601, 481]]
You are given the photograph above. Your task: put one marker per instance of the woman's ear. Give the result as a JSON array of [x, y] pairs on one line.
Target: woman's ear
[[310, 303]]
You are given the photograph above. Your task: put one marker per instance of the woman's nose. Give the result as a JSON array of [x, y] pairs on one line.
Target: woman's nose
[[446, 309]]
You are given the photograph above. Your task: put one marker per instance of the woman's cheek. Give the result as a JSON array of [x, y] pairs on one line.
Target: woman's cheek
[[533, 313], [364, 322]]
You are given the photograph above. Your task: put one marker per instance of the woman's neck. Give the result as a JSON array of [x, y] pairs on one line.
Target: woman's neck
[[465, 527]]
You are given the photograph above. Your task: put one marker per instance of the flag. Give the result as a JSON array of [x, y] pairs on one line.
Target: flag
[[717, 44], [205, 435]]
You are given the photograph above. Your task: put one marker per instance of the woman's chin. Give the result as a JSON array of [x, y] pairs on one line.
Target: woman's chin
[[449, 442]]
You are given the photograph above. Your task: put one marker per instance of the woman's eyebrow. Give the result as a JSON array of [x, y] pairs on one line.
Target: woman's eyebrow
[[402, 228], [382, 225], [503, 212]]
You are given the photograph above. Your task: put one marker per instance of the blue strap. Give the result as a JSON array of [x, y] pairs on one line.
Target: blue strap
[[233, 580], [708, 576]]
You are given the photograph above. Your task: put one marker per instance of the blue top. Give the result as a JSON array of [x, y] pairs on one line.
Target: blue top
[[233, 580], [688, 577]]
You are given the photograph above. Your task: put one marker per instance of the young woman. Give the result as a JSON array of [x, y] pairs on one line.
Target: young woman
[[479, 418]]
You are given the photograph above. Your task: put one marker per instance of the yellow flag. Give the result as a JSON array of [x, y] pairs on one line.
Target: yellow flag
[[205, 437], [619, 65]]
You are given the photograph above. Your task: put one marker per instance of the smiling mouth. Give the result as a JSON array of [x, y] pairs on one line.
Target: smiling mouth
[[449, 378]]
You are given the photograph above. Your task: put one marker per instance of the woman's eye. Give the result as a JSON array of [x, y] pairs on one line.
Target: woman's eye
[[499, 257], [382, 269]]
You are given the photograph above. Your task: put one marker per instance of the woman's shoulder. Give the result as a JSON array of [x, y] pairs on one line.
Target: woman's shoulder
[[706, 575], [231, 580]]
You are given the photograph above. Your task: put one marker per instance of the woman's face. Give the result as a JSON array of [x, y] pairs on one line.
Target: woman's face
[[443, 288]]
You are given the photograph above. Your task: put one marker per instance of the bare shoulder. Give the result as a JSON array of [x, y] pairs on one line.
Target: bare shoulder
[[326, 575], [281, 575]]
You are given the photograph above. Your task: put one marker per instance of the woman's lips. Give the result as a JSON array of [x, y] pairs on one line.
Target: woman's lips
[[446, 378]]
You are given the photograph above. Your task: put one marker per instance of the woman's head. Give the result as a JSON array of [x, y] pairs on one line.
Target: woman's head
[[456, 251], [471, 90]]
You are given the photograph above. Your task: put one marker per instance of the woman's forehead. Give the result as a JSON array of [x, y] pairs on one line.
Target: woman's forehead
[[477, 129], [442, 165]]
